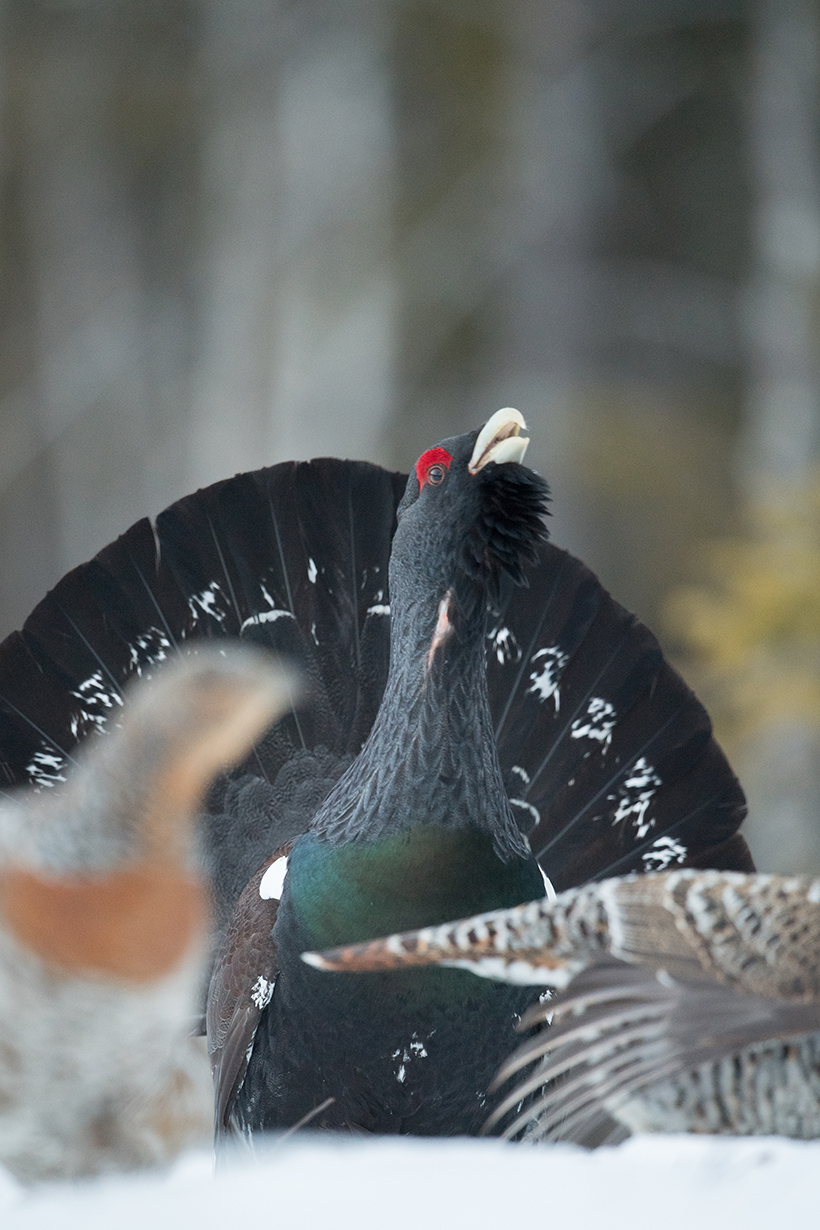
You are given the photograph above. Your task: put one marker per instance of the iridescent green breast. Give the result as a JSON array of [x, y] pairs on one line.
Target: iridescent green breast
[[425, 875]]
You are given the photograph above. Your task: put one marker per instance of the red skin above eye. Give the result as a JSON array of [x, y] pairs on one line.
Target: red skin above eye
[[433, 457]]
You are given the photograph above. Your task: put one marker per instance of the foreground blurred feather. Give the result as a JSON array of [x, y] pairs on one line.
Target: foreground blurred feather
[[693, 1002], [103, 918]]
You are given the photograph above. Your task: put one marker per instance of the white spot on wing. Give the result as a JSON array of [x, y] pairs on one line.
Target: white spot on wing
[[272, 882], [597, 723], [262, 992], [415, 1049], [545, 680]]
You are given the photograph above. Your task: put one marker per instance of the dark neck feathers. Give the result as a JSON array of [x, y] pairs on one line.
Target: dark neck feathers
[[431, 756]]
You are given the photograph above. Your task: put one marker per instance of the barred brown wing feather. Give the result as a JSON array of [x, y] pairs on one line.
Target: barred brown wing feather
[[621, 1030]]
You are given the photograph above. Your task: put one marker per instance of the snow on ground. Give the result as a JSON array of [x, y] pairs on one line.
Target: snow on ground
[[648, 1183]]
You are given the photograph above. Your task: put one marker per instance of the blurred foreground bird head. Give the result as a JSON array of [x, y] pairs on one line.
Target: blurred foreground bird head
[[100, 874]]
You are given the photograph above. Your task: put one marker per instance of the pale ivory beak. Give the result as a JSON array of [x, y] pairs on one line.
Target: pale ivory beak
[[499, 440]]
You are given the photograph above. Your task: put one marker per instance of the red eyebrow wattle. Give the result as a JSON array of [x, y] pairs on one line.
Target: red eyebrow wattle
[[433, 457]]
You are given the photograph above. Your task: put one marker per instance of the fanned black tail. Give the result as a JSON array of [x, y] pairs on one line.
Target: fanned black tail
[[608, 756]]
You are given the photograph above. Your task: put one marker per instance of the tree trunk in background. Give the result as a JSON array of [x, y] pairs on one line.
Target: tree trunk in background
[[447, 92], [96, 186], [297, 330], [555, 176], [781, 438]]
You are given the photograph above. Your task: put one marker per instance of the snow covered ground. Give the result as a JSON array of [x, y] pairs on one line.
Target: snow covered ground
[[657, 1182]]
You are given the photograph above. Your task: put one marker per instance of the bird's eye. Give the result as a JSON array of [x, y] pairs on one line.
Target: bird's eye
[[432, 466]]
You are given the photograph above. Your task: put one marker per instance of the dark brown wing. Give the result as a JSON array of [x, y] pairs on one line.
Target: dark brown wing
[[241, 987]]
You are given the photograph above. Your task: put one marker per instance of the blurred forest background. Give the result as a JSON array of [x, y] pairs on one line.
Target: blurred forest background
[[234, 232]]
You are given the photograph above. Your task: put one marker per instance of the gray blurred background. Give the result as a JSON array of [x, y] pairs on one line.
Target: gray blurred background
[[234, 232]]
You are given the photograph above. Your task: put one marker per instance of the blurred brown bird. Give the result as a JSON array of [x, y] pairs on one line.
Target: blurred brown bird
[[103, 921]]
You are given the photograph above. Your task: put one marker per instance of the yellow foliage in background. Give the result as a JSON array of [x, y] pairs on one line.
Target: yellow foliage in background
[[753, 625]]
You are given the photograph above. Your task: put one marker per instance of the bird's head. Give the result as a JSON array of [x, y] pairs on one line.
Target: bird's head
[[471, 515]]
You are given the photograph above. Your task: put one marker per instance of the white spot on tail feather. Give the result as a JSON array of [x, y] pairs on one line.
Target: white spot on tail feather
[[635, 795], [46, 768], [597, 723], [266, 617], [97, 702], [665, 850], [95, 691], [544, 682], [148, 648], [207, 603], [505, 645]]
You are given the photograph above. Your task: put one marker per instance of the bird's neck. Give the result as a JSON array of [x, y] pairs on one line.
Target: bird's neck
[[431, 756]]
